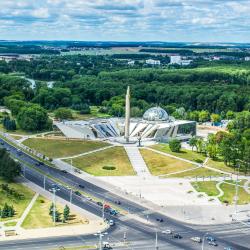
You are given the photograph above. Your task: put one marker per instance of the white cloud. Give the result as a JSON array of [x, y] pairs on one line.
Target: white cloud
[[127, 19], [41, 13]]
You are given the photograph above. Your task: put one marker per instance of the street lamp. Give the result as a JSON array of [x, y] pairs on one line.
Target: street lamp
[[70, 194], [156, 240], [54, 189], [100, 234], [236, 191], [203, 241]]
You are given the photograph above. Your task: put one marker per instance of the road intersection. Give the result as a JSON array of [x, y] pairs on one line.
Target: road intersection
[[141, 233]]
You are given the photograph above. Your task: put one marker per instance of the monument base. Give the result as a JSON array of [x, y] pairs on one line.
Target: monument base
[[122, 140]]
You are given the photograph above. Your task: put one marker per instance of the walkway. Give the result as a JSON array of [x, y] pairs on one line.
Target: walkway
[[172, 156], [86, 153], [27, 210], [137, 161]]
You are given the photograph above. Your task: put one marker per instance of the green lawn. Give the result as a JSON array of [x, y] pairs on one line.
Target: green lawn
[[208, 187], [220, 165], [185, 153], [159, 164], [39, 217], [229, 193], [199, 172], [10, 224], [112, 157], [19, 205], [94, 113], [56, 148], [18, 131]]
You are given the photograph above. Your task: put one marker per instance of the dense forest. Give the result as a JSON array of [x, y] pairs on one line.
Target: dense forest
[[81, 80]]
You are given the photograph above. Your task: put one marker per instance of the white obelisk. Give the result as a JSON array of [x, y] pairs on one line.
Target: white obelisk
[[127, 115]]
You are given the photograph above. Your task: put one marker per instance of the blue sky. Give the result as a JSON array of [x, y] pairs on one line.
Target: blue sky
[[126, 20]]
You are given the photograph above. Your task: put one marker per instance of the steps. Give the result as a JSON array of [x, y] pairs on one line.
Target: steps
[[137, 161]]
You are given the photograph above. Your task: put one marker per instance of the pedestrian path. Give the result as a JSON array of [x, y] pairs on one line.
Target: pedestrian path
[[86, 153], [172, 156], [137, 161], [27, 210]]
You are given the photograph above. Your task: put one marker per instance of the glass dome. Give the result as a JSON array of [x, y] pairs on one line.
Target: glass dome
[[156, 114]]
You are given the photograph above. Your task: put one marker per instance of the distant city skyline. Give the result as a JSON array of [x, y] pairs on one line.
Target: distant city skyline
[[127, 20]]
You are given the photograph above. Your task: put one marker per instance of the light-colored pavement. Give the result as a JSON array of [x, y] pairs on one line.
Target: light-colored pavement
[[137, 161]]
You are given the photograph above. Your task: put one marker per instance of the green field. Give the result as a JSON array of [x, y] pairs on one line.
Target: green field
[[39, 217], [229, 193], [199, 172], [113, 157], [17, 132], [221, 166], [208, 187], [62, 148], [18, 204], [159, 164], [184, 153]]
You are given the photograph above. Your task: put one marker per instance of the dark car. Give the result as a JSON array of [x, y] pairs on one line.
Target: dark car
[[81, 186], [78, 193], [64, 171], [159, 219], [118, 202], [210, 238], [176, 236], [99, 203]]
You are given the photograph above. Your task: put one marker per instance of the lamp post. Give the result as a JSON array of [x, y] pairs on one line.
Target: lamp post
[[100, 234], [203, 241], [156, 240], [236, 192], [54, 189]]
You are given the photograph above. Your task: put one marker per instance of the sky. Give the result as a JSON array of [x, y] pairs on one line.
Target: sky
[[126, 20]]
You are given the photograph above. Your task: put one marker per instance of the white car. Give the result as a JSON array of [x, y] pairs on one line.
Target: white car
[[111, 223], [168, 231], [196, 239]]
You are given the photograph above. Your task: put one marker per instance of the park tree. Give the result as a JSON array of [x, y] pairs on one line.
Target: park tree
[[33, 118], [63, 114], [215, 118], [204, 116], [66, 213], [193, 142], [9, 169], [200, 145], [85, 109], [230, 115], [9, 124], [193, 115], [175, 145]]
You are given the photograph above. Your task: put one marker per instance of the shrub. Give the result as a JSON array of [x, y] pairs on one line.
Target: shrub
[[198, 160], [109, 167], [175, 145]]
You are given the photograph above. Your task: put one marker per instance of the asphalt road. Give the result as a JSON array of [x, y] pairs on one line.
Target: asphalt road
[[141, 235]]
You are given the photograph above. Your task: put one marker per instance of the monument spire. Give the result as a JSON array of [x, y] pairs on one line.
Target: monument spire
[[127, 115]]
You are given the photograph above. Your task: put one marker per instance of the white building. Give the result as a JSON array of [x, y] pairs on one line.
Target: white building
[[153, 62], [155, 125], [131, 63], [176, 59], [247, 58]]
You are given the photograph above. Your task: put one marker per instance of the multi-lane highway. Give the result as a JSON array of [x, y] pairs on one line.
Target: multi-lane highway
[[140, 235]]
